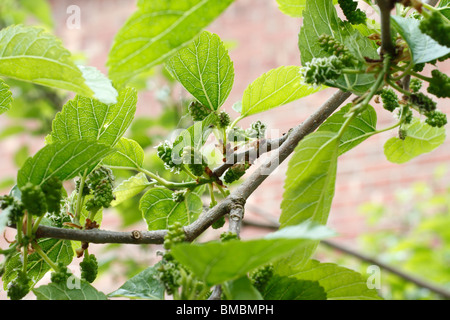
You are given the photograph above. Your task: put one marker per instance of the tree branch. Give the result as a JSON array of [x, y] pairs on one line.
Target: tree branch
[[432, 2], [236, 199], [102, 236], [236, 216], [250, 155], [387, 45]]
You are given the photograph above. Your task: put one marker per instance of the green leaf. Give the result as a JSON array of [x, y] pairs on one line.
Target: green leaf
[[144, 285], [420, 138], [57, 250], [129, 188], [128, 154], [160, 211], [359, 129], [338, 282], [156, 31], [444, 3], [293, 8], [100, 84], [205, 69], [61, 291], [64, 160], [309, 185], [273, 89], [217, 262], [310, 178], [320, 17], [5, 97], [83, 118], [288, 288], [33, 55], [423, 47], [241, 289]]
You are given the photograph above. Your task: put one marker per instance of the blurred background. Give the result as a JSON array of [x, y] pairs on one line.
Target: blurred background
[[396, 213]]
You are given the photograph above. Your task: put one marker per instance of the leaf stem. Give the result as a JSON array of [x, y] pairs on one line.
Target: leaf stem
[[375, 87], [353, 71], [36, 224], [398, 88], [168, 184], [188, 172], [222, 191], [80, 197], [234, 123], [405, 71], [44, 256], [418, 75], [25, 248], [211, 194], [19, 230]]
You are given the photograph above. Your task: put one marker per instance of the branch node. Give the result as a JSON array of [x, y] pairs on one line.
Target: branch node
[[136, 234]]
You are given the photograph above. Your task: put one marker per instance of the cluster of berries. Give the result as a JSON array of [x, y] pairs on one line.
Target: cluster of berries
[[101, 185], [39, 199], [436, 26], [419, 101], [353, 15]]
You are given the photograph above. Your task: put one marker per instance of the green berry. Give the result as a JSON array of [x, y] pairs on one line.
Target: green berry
[[389, 99], [194, 160], [52, 189], [419, 67], [336, 48], [224, 120], [237, 135], [165, 153], [33, 199], [436, 119], [100, 181], [175, 234], [89, 268], [219, 223], [439, 85], [235, 172], [353, 15], [198, 111], [437, 27], [170, 276], [19, 287], [261, 277], [415, 85], [257, 130], [178, 196], [16, 208], [320, 70], [61, 275], [228, 235], [423, 102]]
